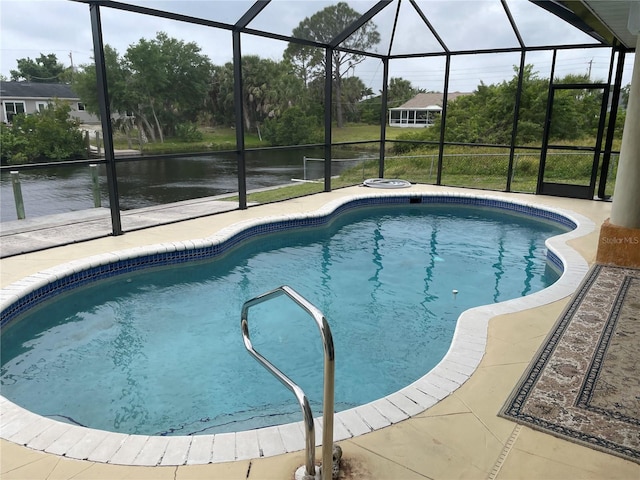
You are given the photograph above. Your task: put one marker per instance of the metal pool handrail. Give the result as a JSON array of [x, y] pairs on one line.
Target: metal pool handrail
[[329, 370]]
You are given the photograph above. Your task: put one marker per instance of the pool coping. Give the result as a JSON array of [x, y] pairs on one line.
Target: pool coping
[[467, 348]]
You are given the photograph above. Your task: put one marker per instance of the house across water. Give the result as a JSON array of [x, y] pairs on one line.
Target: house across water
[[421, 110], [31, 97]]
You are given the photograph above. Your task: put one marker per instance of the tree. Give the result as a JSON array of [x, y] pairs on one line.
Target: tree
[[624, 96], [533, 98], [221, 95], [85, 81], [264, 90], [401, 91], [353, 90], [486, 116], [268, 89], [576, 111], [162, 83], [322, 27], [121, 102], [44, 69], [293, 127], [168, 82]]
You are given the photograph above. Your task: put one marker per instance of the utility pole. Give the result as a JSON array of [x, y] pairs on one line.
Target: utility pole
[[590, 62], [71, 59]]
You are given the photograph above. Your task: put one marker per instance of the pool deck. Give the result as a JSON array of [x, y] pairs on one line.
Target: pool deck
[[461, 436]]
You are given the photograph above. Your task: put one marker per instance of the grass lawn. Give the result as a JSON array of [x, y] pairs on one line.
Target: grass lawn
[[223, 138], [214, 139], [358, 132]]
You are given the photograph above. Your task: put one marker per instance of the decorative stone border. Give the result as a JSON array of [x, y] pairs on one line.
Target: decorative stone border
[[21, 426]]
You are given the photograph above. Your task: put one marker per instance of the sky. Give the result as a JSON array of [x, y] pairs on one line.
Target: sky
[[31, 27]]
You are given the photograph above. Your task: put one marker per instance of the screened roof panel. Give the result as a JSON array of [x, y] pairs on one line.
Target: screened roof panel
[[411, 34], [470, 25], [426, 73], [367, 39], [461, 25], [539, 27], [224, 11], [282, 17], [124, 29], [468, 71]]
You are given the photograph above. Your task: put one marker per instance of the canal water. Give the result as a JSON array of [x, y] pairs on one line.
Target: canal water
[[145, 183]]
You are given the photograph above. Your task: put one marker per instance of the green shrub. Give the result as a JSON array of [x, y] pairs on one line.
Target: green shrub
[[47, 135], [293, 127], [188, 132], [11, 145], [426, 134]]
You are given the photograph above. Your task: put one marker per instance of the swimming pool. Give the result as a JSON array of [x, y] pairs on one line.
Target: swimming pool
[[395, 406]]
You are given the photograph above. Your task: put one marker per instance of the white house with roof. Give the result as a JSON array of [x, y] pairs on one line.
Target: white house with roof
[[31, 97], [421, 110]]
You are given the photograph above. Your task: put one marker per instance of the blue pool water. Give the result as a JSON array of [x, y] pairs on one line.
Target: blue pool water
[[160, 351]]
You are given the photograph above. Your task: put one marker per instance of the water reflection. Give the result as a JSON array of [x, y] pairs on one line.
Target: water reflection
[[144, 183], [128, 356]]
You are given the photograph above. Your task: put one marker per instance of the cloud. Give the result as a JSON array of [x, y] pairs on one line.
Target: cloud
[[28, 28]]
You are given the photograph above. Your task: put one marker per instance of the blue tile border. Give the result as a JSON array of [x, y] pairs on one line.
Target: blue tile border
[[214, 249]]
